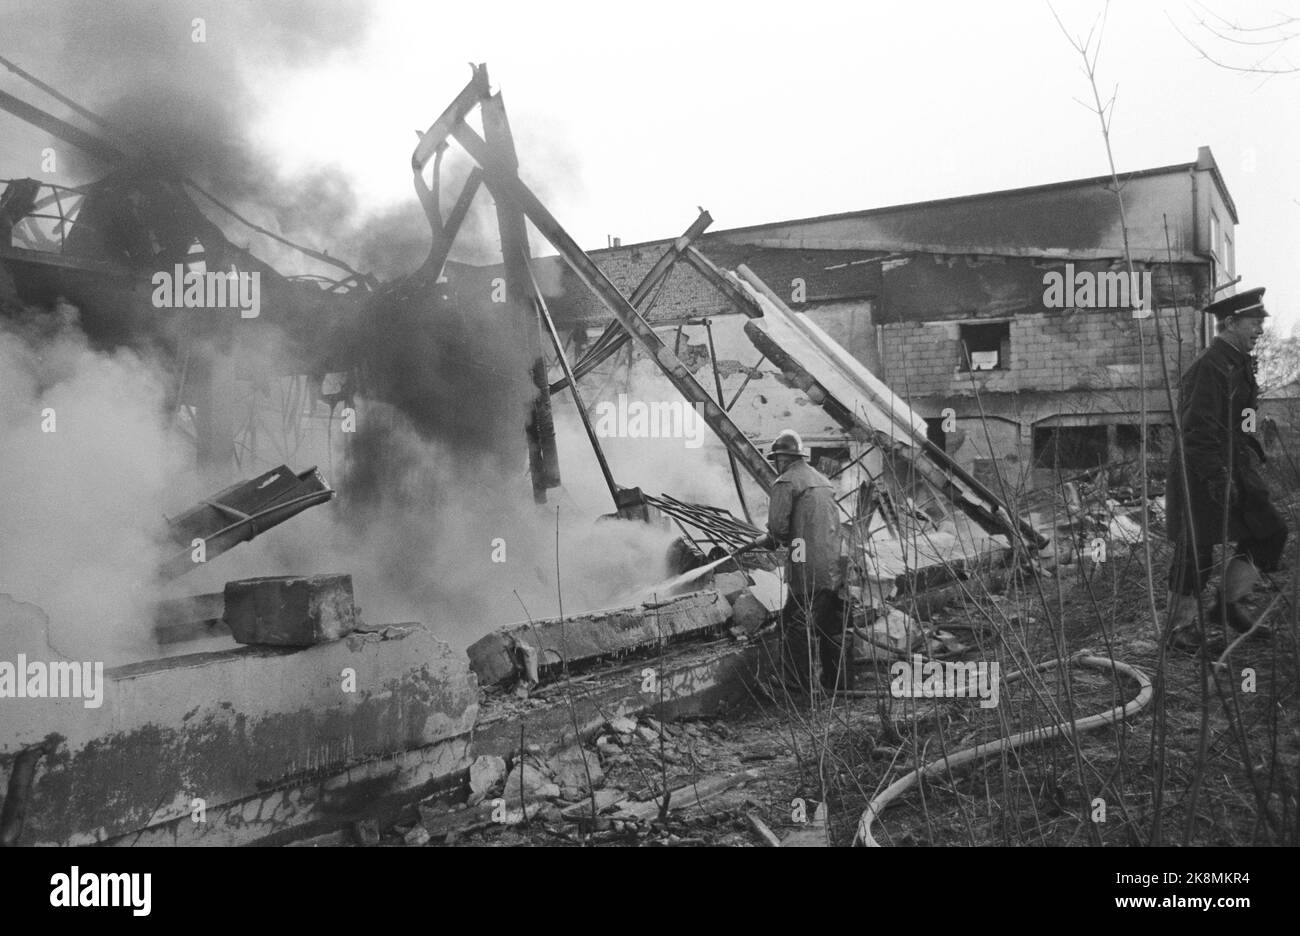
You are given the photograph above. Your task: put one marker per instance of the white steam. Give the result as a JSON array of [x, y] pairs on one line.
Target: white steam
[[80, 506]]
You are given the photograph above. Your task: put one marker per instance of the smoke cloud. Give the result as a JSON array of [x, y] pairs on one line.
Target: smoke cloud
[[454, 540], [87, 464], [189, 105], [435, 520]]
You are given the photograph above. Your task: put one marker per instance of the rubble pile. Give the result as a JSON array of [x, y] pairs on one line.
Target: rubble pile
[[612, 787], [1086, 514]]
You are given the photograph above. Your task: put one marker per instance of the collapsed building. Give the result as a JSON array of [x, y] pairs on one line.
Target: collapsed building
[[949, 302], [278, 705]]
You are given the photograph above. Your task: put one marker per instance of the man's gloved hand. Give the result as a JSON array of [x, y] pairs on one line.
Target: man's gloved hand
[[766, 541]]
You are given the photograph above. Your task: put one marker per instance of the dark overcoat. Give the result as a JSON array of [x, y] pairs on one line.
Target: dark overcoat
[[1218, 406], [803, 507]]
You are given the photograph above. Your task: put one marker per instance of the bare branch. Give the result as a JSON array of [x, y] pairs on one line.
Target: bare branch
[[1236, 27], [1247, 69]]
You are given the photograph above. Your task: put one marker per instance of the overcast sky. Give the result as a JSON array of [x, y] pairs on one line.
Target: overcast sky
[[632, 115], [627, 117]]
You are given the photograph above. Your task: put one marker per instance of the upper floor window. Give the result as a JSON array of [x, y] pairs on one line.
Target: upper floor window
[[986, 346]]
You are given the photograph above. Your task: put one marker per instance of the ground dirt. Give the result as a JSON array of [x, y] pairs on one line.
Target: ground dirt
[[1213, 759]]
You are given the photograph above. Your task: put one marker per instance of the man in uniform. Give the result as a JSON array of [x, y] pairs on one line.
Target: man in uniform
[[804, 517], [1225, 496]]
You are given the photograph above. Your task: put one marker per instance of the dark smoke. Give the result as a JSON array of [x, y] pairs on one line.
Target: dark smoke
[[190, 105], [134, 63], [436, 473]]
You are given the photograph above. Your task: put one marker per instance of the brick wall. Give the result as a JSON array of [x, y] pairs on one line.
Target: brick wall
[[1067, 351]]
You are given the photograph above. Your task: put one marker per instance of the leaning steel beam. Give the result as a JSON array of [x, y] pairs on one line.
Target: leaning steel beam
[[614, 337], [457, 110], [856, 398], [451, 227], [739, 298], [731, 458], [586, 269], [92, 145], [54, 93]]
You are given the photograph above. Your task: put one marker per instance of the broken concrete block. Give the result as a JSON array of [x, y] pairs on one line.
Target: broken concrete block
[[895, 631], [484, 774], [589, 637], [730, 584], [747, 614], [622, 725], [418, 837], [567, 767], [534, 784], [367, 831], [291, 611], [768, 589], [647, 734]]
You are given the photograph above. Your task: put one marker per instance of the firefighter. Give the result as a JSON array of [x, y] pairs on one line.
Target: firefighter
[[803, 516], [1226, 498]]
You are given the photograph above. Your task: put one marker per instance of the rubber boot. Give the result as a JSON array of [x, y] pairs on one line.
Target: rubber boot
[[1239, 580], [836, 663], [796, 656]]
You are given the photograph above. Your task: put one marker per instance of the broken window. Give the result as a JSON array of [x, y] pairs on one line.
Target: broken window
[[986, 346], [1070, 446]]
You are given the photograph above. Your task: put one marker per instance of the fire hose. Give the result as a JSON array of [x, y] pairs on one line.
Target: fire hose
[[968, 755]]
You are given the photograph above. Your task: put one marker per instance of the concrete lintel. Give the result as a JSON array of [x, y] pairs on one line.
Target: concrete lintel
[[590, 637], [698, 680]]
